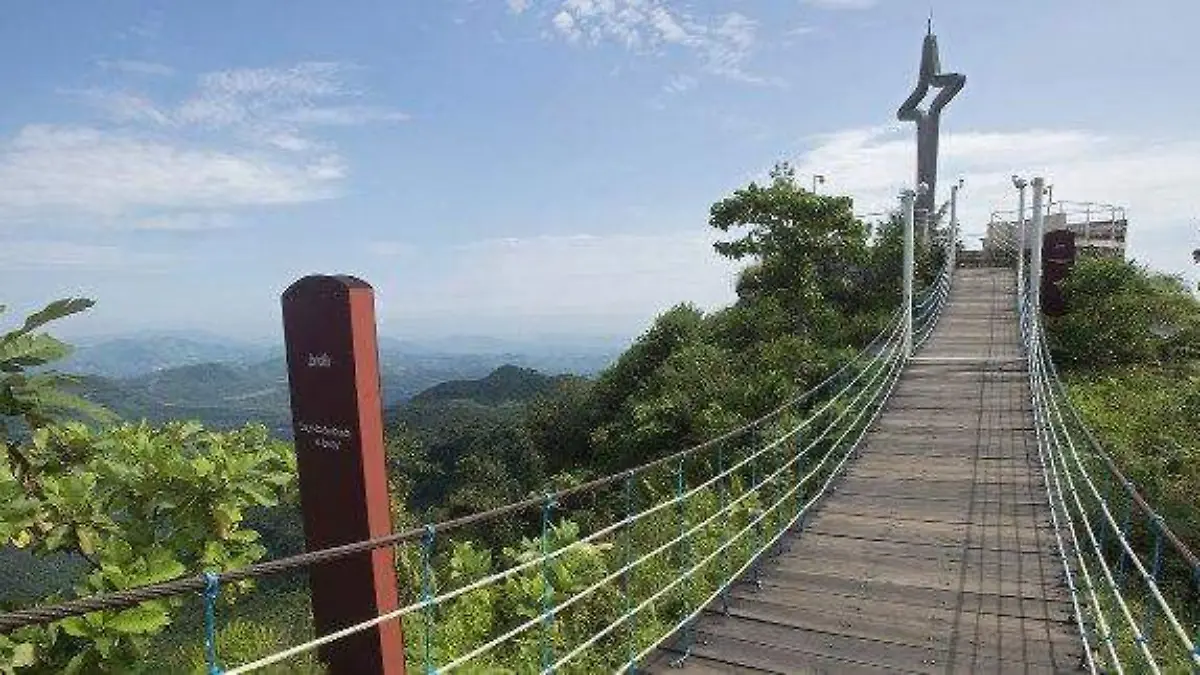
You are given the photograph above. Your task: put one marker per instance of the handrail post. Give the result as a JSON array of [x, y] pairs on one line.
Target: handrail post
[[1039, 186], [952, 238], [907, 202], [1020, 224]]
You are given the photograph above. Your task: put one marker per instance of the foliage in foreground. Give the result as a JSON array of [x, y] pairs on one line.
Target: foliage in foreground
[[137, 504]]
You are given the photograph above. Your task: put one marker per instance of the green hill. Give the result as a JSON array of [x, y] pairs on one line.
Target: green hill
[[506, 384]]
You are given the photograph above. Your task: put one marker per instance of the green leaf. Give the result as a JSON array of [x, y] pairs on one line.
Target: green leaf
[[22, 655], [77, 663], [77, 626], [23, 351], [259, 494], [51, 312], [202, 466], [140, 620], [87, 539]]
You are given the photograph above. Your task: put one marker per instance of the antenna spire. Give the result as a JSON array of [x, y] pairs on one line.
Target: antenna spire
[[929, 23]]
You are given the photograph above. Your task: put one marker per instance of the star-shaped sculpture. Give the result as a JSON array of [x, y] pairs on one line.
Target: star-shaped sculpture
[[947, 85]]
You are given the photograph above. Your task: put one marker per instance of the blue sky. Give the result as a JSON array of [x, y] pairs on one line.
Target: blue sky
[[522, 167]]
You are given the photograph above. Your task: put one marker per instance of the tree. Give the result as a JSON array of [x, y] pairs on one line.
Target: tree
[[1118, 313], [139, 504], [807, 250]]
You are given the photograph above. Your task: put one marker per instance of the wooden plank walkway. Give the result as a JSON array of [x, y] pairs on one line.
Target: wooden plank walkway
[[935, 553]]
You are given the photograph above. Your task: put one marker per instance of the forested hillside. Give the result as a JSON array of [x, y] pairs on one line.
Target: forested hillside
[[227, 395]]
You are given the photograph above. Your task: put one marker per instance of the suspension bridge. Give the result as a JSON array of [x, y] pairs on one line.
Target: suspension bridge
[[935, 505]]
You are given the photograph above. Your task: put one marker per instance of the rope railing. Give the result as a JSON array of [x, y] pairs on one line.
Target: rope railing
[[1124, 623], [13, 620], [850, 399], [595, 536]]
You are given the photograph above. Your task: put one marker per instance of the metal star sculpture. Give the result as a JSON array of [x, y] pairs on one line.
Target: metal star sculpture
[[928, 121]]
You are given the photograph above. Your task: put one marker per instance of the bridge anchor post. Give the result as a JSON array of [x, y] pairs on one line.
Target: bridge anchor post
[[337, 420]]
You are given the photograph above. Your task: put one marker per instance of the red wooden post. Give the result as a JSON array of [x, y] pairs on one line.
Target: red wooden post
[[333, 374]]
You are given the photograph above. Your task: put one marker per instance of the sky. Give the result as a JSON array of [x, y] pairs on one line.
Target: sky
[[514, 168]]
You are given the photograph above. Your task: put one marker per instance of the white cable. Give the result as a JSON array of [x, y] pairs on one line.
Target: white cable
[[370, 623]]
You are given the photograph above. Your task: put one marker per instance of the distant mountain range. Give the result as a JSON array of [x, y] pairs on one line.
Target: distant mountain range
[[226, 384]]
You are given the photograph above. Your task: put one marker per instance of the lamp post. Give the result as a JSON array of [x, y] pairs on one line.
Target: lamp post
[[1039, 188], [1020, 184], [817, 179], [953, 234]]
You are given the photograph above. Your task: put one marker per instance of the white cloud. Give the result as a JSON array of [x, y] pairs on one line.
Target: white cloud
[[126, 107], [241, 137], [134, 67], [565, 24], [351, 115], [722, 44], [83, 170], [62, 255], [518, 6], [1154, 178]]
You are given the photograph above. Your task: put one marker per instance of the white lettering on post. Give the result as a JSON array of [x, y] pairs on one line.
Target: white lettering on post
[[329, 437], [319, 361]]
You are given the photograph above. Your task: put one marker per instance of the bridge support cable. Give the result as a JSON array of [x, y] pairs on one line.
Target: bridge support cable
[[1070, 458], [876, 368], [1044, 435], [13, 620], [880, 398]]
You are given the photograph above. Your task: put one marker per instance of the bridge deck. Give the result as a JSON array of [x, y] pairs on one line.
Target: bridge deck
[[935, 553]]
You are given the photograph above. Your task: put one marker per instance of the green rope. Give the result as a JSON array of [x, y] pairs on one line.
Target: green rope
[[427, 544]]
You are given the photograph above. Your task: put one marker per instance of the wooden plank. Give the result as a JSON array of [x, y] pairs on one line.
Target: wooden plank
[[933, 553]]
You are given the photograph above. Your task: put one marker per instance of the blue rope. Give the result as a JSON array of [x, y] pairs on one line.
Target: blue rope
[[547, 588], [427, 543], [1156, 523], [212, 588]]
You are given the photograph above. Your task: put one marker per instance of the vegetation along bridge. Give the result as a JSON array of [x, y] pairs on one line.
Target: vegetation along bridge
[[935, 505]]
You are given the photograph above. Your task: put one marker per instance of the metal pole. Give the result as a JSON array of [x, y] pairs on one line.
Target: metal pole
[[907, 202], [953, 236], [1021, 238], [1039, 187]]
